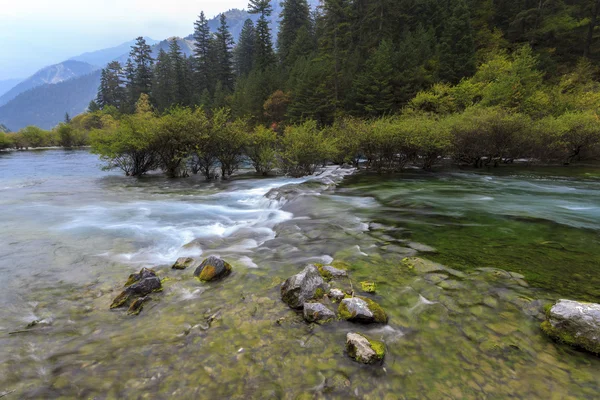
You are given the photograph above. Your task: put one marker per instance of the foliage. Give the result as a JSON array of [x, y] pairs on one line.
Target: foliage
[[305, 147], [261, 149]]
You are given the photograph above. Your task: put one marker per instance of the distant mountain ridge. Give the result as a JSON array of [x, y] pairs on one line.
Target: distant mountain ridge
[[43, 98], [7, 84], [49, 75]]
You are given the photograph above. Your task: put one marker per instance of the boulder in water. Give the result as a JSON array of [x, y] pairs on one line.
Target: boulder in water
[[302, 287], [183, 263], [143, 274], [137, 305], [212, 269], [147, 283], [574, 323], [317, 312], [361, 309], [363, 349], [336, 295]]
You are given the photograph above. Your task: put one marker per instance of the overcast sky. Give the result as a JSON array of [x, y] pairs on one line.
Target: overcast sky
[[36, 33]]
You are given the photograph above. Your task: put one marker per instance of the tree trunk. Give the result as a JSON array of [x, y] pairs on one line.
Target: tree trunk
[[590, 35]]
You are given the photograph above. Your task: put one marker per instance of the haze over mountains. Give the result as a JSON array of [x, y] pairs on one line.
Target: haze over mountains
[[43, 98]]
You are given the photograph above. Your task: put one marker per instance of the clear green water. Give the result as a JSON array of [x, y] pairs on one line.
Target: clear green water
[[71, 234]]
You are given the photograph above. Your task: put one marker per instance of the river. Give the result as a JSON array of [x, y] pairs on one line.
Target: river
[[71, 233]]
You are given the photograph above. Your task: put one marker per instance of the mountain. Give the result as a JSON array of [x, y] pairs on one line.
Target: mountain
[[49, 75], [7, 84], [186, 45], [4, 129], [46, 105], [104, 56]]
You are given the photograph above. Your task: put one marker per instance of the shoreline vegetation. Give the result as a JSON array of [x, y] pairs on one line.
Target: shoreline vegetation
[[465, 86]]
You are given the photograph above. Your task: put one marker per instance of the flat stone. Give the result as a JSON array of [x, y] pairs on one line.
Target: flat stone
[[334, 272], [317, 312], [361, 309]]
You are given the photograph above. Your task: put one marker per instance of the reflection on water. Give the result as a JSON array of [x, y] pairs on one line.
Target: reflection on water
[[71, 233]]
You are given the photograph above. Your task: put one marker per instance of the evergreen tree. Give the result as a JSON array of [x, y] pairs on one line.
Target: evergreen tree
[[93, 107], [243, 54], [295, 15], [111, 91], [224, 58], [67, 118], [264, 57], [374, 90], [202, 40], [141, 78], [457, 49], [177, 61], [163, 84]]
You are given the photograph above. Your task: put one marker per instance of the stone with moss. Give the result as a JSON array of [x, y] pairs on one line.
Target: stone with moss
[[212, 269], [574, 323], [364, 350], [363, 310], [317, 312], [336, 295], [183, 263], [151, 283], [329, 272], [137, 305], [305, 286], [368, 287], [143, 274]]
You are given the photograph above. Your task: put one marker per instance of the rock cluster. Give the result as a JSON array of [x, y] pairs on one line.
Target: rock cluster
[[309, 292], [140, 285]]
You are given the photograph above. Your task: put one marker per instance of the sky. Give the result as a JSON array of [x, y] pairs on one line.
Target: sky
[[37, 33]]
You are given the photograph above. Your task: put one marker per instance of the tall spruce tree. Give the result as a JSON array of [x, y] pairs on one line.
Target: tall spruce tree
[[111, 91], [141, 77], [264, 57], [178, 73], [162, 89], [202, 38], [295, 15], [224, 58], [374, 89], [243, 54], [457, 48]]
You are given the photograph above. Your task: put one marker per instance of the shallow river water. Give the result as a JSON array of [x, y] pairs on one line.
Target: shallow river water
[[510, 241]]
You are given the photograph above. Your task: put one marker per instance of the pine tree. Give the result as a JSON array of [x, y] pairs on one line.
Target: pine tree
[[67, 118], [374, 89], [111, 91], [224, 58], [202, 40], [162, 89], [243, 54], [457, 49], [264, 57], [141, 79], [176, 60], [295, 15]]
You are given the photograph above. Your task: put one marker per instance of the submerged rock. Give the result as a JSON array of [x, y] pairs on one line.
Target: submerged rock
[[302, 287], [363, 310], [147, 284], [317, 312], [574, 323], [212, 269], [183, 263], [137, 306], [363, 349]]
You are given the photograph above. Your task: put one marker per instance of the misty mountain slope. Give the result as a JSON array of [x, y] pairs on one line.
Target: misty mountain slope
[[7, 84], [46, 105], [104, 56], [4, 129], [49, 75]]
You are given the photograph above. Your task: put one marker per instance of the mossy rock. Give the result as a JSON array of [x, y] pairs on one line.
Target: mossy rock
[[361, 309], [143, 274], [329, 272], [368, 287], [212, 269], [183, 263], [574, 323], [363, 349]]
